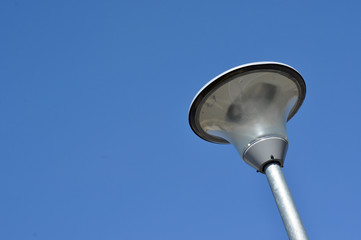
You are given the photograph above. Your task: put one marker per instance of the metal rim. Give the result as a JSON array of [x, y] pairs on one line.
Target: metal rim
[[225, 77]]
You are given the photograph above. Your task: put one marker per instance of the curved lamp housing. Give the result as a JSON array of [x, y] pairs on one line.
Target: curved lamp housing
[[249, 106]]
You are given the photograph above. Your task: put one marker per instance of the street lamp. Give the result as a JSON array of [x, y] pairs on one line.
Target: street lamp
[[248, 106]]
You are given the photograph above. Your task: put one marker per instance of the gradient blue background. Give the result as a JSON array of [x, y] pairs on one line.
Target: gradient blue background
[[94, 134]]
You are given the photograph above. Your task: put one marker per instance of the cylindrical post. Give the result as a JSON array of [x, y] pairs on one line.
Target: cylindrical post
[[286, 206]]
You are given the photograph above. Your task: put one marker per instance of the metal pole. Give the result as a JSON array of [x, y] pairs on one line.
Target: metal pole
[[286, 206]]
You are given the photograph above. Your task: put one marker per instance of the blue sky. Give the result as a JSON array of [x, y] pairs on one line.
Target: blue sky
[[94, 134]]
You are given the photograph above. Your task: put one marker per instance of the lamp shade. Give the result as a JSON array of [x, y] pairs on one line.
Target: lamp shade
[[248, 104]]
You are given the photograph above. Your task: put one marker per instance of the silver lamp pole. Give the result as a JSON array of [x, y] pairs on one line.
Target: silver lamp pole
[[249, 106], [290, 217]]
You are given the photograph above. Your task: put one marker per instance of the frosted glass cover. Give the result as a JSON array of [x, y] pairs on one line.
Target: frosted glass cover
[[248, 106]]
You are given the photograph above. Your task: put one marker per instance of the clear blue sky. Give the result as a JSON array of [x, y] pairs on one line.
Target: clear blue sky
[[94, 135]]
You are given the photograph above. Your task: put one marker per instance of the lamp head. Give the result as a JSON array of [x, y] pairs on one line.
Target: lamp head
[[248, 106]]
